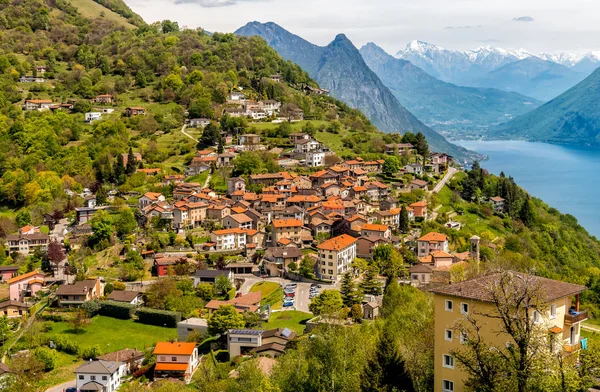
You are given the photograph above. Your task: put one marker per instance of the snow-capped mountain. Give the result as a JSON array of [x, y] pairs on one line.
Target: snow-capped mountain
[[472, 67]]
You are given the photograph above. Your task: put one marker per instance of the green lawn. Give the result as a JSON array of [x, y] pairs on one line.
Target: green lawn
[[63, 370], [292, 319], [200, 178], [272, 294], [112, 334], [91, 9]]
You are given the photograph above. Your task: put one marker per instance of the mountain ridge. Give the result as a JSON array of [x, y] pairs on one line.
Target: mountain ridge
[[340, 68], [443, 105]]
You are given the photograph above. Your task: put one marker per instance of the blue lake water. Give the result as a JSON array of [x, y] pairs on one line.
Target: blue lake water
[[565, 177]]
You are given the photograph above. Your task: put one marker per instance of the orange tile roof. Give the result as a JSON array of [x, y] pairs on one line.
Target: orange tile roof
[[238, 210], [359, 189], [235, 230], [179, 367], [304, 199], [375, 227], [24, 276], [555, 329], [333, 205], [419, 204], [434, 237], [287, 223], [337, 243], [152, 195], [440, 253], [177, 348], [284, 241]]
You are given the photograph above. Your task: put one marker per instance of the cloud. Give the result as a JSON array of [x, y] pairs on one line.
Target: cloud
[[213, 3], [523, 19], [462, 27], [489, 41]]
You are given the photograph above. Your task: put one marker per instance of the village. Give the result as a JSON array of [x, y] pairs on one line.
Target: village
[[252, 260]]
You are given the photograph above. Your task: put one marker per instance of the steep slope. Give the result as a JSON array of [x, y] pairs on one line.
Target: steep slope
[[441, 105], [532, 76], [339, 67], [572, 117]]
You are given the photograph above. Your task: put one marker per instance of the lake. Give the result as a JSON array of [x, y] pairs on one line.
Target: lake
[[565, 177]]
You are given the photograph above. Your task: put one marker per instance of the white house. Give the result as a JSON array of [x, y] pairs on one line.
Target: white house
[[432, 242], [236, 96], [335, 256], [38, 104], [414, 168], [100, 376], [191, 325], [315, 158], [199, 122], [304, 146], [150, 198], [271, 106], [92, 116]]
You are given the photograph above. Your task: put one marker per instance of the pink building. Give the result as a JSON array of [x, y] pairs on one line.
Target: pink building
[[8, 271], [26, 285]]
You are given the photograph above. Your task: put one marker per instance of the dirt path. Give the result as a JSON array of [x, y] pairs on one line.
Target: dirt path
[[187, 134], [451, 172]]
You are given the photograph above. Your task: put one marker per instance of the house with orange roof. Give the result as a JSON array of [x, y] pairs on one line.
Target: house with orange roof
[[287, 228], [135, 111], [376, 230], [419, 209], [26, 285], [150, 198], [304, 201], [234, 239], [175, 360], [242, 303], [333, 205], [431, 242], [240, 221], [335, 256], [217, 212], [498, 203], [38, 104]]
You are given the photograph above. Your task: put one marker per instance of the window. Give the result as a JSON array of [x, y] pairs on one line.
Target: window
[[162, 358], [449, 305], [449, 334], [174, 359], [552, 311], [463, 337], [93, 378], [447, 386], [464, 308], [81, 377], [415, 277], [104, 378], [536, 317], [448, 361]]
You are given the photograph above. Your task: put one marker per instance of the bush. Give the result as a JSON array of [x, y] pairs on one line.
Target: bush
[[119, 286], [158, 317], [65, 345], [91, 352], [231, 293], [91, 308], [117, 310], [57, 318], [108, 288], [46, 356]]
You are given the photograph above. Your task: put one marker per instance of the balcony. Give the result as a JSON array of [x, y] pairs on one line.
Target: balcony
[[576, 317], [572, 348]]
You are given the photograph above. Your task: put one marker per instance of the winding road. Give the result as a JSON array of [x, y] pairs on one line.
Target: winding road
[[451, 172]]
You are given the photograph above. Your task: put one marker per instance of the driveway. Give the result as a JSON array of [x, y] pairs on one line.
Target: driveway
[[451, 172], [60, 227], [63, 387]]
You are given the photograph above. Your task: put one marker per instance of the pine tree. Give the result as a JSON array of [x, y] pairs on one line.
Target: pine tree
[[131, 163], [370, 285], [350, 293], [404, 221], [526, 214], [119, 172]]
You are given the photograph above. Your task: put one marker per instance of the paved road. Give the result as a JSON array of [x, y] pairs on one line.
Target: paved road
[[58, 233], [63, 387], [187, 134], [451, 172]]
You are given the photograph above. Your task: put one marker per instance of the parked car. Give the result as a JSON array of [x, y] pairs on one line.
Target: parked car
[[290, 295], [288, 304]]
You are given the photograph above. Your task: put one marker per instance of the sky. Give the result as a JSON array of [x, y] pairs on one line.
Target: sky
[[535, 25]]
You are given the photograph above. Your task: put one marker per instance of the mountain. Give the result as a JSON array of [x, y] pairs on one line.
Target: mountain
[[441, 105], [585, 63], [573, 117], [459, 67], [532, 76], [340, 68]]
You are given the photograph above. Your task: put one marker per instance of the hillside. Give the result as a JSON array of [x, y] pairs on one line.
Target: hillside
[[533, 77], [444, 106], [573, 117], [339, 67]]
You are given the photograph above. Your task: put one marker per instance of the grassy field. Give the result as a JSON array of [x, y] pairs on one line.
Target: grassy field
[[90, 9], [292, 319], [112, 334], [200, 178], [272, 294], [63, 370]]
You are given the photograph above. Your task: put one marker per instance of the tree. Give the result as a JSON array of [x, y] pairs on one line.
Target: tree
[[56, 254], [223, 319], [527, 214], [132, 163], [23, 218], [157, 293], [79, 321], [205, 291], [370, 285], [102, 229], [351, 294], [518, 300], [403, 226], [391, 166], [125, 223], [328, 302], [222, 285], [292, 266], [307, 268], [421, 145], [356, 312], [252, 319], [26, 370], [210, 137], [246, 163], [389, 261], [47, 357]]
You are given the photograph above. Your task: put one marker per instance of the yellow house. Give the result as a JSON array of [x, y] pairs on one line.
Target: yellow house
[[561, 317]]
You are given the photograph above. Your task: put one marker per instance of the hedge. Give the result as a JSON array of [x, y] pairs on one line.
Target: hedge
[[231, 293], [158, 317], [117, 310]]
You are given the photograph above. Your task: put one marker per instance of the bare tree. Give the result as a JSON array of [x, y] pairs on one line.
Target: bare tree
[[518, 302], [55, 254]]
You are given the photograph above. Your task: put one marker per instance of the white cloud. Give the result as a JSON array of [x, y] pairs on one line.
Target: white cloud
[[523, 19]]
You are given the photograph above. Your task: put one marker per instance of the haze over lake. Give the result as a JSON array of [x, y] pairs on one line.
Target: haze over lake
[[565, 177]]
